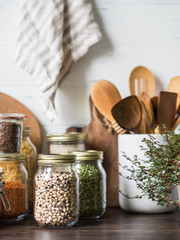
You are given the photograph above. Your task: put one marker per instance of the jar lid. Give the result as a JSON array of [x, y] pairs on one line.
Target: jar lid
[[26, 130], [88, 155], [17, 116], [67, 137], [11, 156], [56, 158]]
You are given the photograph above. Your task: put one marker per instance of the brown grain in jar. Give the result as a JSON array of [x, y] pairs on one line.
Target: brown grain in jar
[[11, 125]]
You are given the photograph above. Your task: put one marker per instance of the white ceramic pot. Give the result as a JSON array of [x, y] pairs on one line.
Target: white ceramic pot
[[130, 144]]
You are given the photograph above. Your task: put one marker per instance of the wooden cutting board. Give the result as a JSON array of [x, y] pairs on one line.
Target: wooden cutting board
[[11, 105], [101, 138]]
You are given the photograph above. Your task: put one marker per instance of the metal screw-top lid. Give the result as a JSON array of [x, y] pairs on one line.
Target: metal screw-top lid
[[56, 158], [3, 197], [11, 156], [68, 137], [26, 131], [88, 155]]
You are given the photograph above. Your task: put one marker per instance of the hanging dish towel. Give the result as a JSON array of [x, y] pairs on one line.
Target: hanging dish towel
[[52, 34]]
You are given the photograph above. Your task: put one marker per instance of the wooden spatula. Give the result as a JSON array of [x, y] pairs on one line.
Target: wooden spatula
[[154, 101], [174, 85], [127, 113], [167, 107], [147, 113], [105, 95], [177, 121], [141, 79]]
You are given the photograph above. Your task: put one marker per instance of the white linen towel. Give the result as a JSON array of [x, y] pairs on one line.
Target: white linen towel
[[51, 35]]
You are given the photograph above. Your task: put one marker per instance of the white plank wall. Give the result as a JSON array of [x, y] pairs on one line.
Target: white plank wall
[[135, 32]]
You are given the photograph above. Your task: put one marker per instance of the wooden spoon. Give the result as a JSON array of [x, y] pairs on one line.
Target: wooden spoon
[[167, 107], [105, 95], [127, 113], [141, 79]]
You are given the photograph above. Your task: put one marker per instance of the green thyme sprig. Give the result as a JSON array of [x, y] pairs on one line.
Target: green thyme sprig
[[159, 174]]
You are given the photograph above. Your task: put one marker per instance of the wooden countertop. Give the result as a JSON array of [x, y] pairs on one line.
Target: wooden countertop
[[114, 225]]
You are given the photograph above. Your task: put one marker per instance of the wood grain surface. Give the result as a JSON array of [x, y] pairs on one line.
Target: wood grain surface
[[100, 137], [114, 225], [11, 105]]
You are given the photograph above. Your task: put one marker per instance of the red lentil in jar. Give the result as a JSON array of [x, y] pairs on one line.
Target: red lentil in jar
[[14, 179]]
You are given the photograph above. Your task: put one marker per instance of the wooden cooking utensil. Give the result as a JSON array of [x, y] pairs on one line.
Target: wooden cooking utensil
[[105, 95], [174, 85], [177, 121], [141, 79], [127, 113], [167, 107], [99, 138], [11, 105], [147, 112], [154, 101]]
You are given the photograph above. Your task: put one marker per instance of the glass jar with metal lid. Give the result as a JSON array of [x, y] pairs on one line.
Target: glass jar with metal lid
[[30, 152], [13, 187], [62, 143], [92, 183], [11, 125], [56, 191]]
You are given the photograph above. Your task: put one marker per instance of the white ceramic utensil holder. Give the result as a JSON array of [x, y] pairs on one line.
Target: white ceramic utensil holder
[[130, 145]]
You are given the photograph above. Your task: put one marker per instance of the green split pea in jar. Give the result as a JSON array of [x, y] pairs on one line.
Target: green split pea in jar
[[92, 183]]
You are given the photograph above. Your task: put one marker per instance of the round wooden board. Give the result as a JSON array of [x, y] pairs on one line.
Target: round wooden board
[[11, 105]]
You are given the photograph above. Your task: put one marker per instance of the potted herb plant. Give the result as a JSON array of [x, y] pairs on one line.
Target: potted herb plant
[[149, 172]]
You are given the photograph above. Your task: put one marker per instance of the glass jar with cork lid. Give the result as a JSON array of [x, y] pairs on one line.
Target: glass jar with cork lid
[[14, 187], [30, 152], [56, 191], [92, 183], [63, 143]]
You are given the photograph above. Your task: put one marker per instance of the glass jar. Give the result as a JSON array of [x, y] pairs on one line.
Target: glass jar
[[15, 186], [56, 191], [11, 132], [92, 183], [64, 143], [30, 152], [3, 198]]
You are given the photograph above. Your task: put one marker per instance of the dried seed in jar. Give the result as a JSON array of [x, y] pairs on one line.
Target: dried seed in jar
[[55, 202]]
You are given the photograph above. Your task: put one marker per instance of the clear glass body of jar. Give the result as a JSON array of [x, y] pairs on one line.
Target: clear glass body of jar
[[11, 132], [56, 187], [63, 143], [30, 152], [92, 183], [15, 188]]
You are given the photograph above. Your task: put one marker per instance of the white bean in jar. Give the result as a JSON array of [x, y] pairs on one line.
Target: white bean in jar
[[56, 198]]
